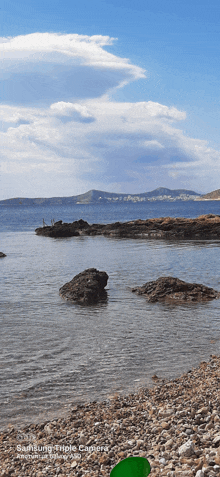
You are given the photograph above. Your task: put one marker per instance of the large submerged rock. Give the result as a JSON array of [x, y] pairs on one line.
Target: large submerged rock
[[175, 290], [2, 255], [60, 229], [203, 227], [86, 288]]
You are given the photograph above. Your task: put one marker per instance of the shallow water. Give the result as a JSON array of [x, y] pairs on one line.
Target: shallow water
[[54, 353]]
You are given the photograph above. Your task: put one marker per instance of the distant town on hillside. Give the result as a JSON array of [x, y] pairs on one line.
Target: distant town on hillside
[[101, 197]]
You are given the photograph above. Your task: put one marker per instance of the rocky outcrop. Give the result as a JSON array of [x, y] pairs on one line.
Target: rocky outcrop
[[2, 255], [203, 227], [60, 229], [175, 290], [86, 288]]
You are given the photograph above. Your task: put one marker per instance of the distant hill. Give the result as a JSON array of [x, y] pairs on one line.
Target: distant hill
[[101, 197], [215, 195]]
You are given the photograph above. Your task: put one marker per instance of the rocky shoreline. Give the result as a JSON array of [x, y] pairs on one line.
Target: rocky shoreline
[[175, 425], [203, 227]]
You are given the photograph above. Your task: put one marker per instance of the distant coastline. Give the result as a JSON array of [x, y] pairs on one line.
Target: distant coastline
[[97, 197], [202, 199], [214, 195], [102, 197]]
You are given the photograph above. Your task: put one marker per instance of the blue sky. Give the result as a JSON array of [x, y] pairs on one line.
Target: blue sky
[[100, 96]]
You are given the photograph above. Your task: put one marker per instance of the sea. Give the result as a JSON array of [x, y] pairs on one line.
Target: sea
[[55, 354]]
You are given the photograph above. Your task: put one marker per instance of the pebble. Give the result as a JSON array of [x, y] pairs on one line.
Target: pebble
[[187, 449], [200, 473], [175, 425]]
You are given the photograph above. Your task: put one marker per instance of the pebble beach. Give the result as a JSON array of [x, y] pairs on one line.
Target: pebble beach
[[175, 425]]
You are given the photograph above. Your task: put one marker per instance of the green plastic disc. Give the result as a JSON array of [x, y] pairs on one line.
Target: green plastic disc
[[131, 467]]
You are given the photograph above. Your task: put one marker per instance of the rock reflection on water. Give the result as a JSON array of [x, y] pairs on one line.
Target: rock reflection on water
[[54, 352]]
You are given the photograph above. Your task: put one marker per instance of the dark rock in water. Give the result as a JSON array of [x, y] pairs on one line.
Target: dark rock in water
[[2, 255], [203, 227], [175, 290], [60, 229], [86, 288]]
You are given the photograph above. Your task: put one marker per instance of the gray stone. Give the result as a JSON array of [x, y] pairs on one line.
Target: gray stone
[[186, 449], [200, 473]]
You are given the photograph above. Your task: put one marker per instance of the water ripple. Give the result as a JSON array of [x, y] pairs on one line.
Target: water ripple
[[54, 352]]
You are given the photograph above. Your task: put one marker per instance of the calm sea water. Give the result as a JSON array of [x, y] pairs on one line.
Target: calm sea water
[[54, 353]]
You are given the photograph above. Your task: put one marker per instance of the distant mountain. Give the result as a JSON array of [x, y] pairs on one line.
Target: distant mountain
[[101, 197], [215, 195]]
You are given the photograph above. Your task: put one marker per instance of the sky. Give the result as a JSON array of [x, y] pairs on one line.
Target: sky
[[108, 95]]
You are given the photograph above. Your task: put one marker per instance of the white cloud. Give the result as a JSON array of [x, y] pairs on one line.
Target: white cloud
[[42, 68], [67, 109], [77, 138], [157, 110]]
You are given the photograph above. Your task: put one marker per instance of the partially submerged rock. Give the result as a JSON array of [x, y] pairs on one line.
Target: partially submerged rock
[[175, 290], [86, 288], [60, 229], [2, 255], [204, 227]]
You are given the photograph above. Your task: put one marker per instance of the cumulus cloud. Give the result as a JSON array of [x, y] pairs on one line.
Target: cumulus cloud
[[41, 68], [67, 136], [71, 112]]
